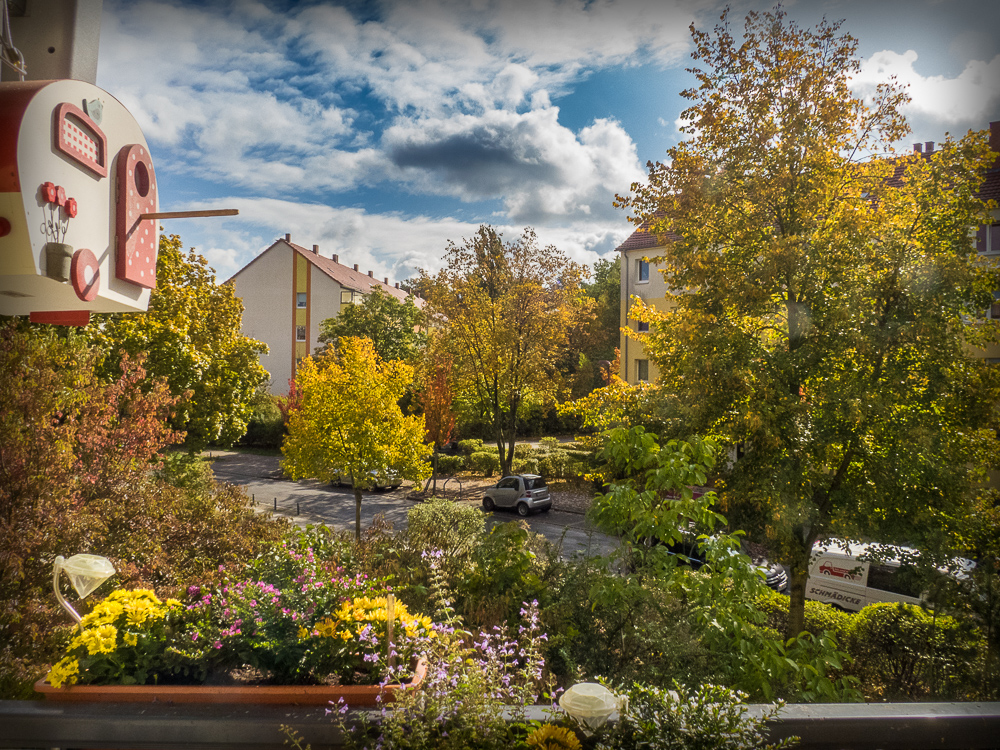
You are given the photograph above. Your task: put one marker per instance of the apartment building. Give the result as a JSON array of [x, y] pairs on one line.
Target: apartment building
[[287, 291]]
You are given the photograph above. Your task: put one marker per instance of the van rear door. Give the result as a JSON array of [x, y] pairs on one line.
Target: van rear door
[[837, 579]]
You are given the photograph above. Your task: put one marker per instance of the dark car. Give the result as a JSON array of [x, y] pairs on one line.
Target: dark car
[[689, 550], [524, 492]]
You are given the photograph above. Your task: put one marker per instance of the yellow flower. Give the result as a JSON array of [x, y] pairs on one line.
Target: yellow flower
[[550, 737], [303, 633], [64, 672], [130, 639]]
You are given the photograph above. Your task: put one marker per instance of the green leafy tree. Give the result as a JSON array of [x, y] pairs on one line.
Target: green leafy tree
[[503, 308], [392, 326], [348, 422], [605, 290], [826, 296], [191, 334]]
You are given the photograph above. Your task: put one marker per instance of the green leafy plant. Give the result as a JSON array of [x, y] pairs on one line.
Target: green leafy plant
[[708, 717], [485, 463], [902, 652]]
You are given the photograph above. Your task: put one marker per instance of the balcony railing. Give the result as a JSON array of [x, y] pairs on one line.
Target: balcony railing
[[37, 724]]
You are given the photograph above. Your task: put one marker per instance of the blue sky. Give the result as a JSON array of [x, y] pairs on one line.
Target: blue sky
[[380, 131]]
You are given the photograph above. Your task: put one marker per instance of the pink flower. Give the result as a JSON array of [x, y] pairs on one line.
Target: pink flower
[[217, 644]]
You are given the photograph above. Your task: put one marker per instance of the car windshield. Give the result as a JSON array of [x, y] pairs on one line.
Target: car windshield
[[534, 483]]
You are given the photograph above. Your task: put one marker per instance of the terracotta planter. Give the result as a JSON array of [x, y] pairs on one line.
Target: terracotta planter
[[290, 695]]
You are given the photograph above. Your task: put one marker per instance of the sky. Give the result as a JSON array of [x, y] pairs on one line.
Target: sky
[[381, 131]]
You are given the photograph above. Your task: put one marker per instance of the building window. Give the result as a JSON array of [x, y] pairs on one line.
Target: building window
[[642, 370], [643, 326], [642, 270], [300, 333], [347, 296], [988, 239], [300, 299]]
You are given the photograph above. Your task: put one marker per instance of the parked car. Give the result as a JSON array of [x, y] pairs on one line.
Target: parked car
[[523, 492], [689, 549], [838, 577], [383, 480]]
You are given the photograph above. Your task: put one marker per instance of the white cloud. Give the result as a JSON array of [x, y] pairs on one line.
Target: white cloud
[[543, 172], [389, 244], [965, 99]]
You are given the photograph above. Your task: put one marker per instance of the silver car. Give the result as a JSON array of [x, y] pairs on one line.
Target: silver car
[[525, 492]]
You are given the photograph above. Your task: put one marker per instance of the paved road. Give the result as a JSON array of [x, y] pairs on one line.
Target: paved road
[[311, 501]]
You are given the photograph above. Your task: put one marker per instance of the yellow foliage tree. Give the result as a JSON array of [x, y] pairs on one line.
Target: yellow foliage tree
[[349, 424], [825, 296]]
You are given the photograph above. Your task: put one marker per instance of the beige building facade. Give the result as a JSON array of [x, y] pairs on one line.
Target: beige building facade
[[287, 291], [639, 278]]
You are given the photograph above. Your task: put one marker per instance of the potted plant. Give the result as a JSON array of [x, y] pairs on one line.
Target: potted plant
[[307, 635]]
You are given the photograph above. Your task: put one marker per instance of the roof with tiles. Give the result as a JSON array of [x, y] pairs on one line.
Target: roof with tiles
[[345, 276], [642, 239]]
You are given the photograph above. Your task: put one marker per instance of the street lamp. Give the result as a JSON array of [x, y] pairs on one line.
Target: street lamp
[[86, 573]]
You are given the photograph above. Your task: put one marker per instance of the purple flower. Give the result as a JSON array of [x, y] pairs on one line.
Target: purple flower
[[194, 636], [217, 644]]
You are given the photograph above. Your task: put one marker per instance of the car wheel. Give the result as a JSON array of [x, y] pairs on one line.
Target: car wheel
[[546, 510], [488, 504], [522, 509]]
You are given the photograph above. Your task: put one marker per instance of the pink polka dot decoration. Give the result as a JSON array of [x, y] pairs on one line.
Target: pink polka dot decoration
[[85, 273], [80, 139], [135, 245]]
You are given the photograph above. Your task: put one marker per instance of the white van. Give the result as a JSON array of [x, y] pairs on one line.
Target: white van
[[837, 577]]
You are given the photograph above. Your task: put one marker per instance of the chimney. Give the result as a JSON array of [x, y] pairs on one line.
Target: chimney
[[929, 147], [918, 148], [355, 266], [316, 249], [336, 258], [397, 285], [288, 237], [371, 274], [386, 282], [995, 140]]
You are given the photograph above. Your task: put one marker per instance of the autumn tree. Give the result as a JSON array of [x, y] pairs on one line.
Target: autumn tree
[[392, 326], [503, 308], [191, 334], [825, 296], [348, 423], [435, 400]]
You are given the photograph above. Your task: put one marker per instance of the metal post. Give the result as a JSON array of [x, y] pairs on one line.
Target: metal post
[[276, 503]]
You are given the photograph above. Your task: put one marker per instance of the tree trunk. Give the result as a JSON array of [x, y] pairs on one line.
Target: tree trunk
[[434, 470], [357, 513], [797, 578], [798, 575]]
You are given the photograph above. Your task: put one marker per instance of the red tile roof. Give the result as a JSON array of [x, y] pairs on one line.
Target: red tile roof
[[642, 239], [345, 276]]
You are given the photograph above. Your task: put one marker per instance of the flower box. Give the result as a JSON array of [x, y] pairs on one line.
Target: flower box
[[298, 695]]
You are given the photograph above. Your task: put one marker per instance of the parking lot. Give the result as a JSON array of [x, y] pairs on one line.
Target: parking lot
[[311, 501]]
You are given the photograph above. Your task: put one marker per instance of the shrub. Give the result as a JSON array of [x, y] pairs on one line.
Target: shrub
[[523, 450], [452, 528], [470, 446], [554, 465], [525, 465], [708, 716], [901, 651], [549, 443], [819, 616], [450, 465], [485, 463], [266, 428]]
